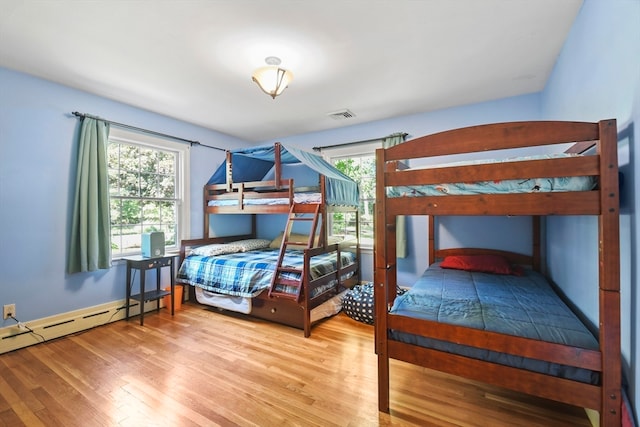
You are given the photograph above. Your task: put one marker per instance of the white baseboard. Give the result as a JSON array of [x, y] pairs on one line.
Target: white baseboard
[[48, 328]]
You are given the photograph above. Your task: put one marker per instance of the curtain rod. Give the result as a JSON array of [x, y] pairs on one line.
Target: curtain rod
[[364, 141], [151, 132]]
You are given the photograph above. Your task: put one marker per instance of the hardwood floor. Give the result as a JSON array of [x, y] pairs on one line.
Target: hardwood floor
[[204, 368]]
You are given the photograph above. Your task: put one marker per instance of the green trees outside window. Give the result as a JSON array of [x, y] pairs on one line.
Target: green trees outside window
[[362, 169], [143, 196]]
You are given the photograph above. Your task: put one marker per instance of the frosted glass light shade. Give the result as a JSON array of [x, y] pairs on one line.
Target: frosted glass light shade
[[272, 80]]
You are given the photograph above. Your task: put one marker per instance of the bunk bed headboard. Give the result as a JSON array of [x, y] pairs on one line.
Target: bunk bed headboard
[[533, 260], [498, 136]]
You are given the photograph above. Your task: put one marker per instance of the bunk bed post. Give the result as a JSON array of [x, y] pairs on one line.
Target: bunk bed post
[[291, 191], [277, 164], [229, 171], [305, 291], [254, 227], [205, 219], [536, 255], [381, 273], [432, 245], [324, 232], [609, 257], [391, 241]]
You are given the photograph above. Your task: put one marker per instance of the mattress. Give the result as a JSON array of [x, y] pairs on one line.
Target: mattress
[[297, 198], [226, 302], [246, 274], [524, 306], [509, 186]]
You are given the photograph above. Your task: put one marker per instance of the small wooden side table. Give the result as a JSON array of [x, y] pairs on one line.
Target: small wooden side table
[[143, 264]]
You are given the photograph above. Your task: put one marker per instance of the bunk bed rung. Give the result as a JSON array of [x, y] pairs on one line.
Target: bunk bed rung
[[288, 282], [285, 295], [290, 269]]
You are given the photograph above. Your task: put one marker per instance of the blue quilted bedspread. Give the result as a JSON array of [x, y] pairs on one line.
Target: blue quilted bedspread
[[247, 274], [524, 306]]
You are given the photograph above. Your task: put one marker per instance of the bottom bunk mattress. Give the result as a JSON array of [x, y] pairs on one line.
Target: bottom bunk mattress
[[247, 274], [524, 306]]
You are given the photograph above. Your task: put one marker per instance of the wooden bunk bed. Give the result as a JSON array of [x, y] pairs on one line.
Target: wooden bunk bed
[[304, 285], [404, 334]]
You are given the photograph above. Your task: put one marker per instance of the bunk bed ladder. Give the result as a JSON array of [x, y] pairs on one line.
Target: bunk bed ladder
[[298, 212]]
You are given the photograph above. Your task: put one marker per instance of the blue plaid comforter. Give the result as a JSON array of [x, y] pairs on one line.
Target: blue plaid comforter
[[246, 274]]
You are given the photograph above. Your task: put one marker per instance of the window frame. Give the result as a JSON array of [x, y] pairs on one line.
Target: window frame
[[349, 151], [182, 151]]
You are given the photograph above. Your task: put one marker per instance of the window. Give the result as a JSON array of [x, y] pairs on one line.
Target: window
[[359, 163], [147, 181]]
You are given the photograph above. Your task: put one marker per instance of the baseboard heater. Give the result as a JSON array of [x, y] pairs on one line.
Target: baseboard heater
[[14, 337]]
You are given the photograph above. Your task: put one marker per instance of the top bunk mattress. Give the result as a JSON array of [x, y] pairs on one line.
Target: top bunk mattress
[[524, 306], [297, 198], [509, 186]]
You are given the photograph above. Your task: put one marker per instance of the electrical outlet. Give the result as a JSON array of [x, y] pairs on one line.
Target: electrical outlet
[[9, 311]]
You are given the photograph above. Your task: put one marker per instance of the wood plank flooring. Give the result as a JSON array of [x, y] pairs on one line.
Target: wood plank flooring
[[205, 368]]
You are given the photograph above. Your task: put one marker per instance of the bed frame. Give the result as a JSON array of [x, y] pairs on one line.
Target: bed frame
[[602, 202], [280, 310], [287, 311]]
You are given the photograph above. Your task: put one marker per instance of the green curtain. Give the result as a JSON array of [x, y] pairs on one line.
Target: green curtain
[[90, 242], [401, 226]]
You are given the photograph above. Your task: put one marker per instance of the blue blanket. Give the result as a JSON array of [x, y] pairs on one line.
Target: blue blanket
[[523, 306], [247, 274]]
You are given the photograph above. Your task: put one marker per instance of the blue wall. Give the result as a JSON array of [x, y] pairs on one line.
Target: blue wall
[[37, 152], [597, 76]]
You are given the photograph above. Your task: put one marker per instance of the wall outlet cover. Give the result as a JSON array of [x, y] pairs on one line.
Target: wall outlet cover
[[9, 310]]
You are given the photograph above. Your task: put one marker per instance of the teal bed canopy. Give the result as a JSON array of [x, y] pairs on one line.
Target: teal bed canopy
[[257, 163]]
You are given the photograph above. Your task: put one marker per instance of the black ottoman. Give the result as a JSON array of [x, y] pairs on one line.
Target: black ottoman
[[358, 303]]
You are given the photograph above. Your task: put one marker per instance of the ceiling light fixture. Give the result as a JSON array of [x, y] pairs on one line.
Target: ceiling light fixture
[[272, 79]]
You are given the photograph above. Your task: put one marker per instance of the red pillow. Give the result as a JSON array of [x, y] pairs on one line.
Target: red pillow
[[481, 263]]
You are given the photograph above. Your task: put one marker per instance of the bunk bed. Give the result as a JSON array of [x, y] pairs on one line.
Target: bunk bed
[[443, 322], [300, 276]]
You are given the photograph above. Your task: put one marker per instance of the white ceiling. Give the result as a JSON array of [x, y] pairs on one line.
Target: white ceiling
[[193, 59]]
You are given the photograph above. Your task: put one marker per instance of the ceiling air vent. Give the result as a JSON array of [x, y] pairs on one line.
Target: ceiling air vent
[[341, 115]]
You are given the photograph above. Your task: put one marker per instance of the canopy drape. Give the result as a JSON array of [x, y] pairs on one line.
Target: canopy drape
[[252, 164]]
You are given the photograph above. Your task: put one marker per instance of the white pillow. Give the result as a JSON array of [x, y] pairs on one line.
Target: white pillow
[[250, 244], [213, 249], [230, 248]]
